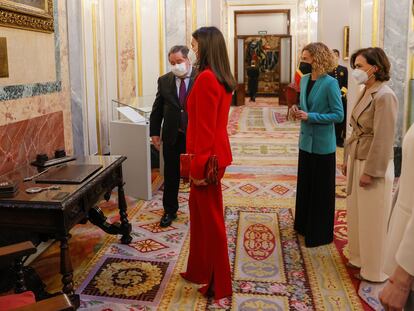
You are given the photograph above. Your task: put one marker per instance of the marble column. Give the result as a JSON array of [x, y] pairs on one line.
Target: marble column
[[126, 49], [396, 28], [301, 28], [175, 21], [74, 16]]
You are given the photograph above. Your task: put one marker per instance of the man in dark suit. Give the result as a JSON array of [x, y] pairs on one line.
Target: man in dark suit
[[340, 73], [169, 109], [253, 80]]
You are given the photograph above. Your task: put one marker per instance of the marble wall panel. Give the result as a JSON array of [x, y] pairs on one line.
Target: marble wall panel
[[301, 28], [76, 67], [126, 49], [396, 22], [189, 27], [21, 141], [175, 20]]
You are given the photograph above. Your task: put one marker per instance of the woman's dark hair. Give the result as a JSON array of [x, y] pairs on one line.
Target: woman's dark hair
[[212, 52], [375, 57]]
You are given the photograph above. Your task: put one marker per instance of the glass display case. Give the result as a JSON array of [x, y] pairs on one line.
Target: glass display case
[[141, 104]]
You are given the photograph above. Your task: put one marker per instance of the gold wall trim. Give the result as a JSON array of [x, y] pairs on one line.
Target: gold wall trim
[[375, 22], [117, 49], [361, 21], [96, 76], [411, 53], [85, 74], [138, 22], [412, 66], [194, 15], [161, 34]]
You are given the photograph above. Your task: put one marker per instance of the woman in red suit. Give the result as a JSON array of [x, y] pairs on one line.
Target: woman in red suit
[[208, 106]]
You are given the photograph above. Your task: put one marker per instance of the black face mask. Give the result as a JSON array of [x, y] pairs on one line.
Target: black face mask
[[305, 68]]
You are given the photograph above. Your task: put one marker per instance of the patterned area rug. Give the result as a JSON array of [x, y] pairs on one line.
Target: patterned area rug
[[271, 268]]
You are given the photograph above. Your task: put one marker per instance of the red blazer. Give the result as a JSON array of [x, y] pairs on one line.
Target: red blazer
[[208, 106]]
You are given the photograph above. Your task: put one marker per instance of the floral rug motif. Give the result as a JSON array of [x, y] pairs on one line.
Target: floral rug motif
[[259, 256], [248, 302], [126, 280], [277, 189]]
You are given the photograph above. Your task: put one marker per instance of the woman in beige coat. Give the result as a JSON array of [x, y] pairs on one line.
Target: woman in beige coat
[[399, 264], [369, 164]]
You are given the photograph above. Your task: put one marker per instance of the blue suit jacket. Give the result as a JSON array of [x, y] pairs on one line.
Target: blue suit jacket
[[324, 108]]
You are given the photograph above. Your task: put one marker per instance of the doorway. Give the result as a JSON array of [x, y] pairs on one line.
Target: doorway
[[269, 48]]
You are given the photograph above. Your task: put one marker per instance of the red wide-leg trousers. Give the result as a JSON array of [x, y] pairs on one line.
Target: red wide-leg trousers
[[208, 260]]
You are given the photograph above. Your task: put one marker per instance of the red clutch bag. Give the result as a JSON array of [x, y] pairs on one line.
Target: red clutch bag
[[211, 169]]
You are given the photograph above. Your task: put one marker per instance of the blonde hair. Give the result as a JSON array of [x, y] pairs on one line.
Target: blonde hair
[[323, 58]]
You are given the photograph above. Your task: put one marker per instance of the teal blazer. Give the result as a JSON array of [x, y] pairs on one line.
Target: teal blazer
[[324, 108]]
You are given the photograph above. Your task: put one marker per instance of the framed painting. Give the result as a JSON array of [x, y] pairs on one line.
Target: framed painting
[[36, 15]]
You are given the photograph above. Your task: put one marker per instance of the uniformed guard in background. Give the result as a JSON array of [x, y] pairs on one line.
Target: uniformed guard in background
[[340, 73]]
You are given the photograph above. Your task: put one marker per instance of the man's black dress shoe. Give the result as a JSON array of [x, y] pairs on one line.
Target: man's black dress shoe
[[167, 219]]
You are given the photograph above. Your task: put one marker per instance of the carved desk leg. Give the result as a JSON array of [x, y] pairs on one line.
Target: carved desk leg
[[66, 270], [98, 218], [125, 225]]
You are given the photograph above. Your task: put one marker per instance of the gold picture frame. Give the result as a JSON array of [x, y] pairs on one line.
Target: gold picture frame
[[345, 52], [36, 15]]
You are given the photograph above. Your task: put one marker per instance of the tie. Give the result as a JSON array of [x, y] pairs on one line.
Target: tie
[[182, 93]]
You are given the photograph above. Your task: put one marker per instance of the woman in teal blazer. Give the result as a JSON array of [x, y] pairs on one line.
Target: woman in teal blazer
[[320, 108]]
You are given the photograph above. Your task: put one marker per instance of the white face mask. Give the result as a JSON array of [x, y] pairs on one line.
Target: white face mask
[[361, 76], [179, 69]]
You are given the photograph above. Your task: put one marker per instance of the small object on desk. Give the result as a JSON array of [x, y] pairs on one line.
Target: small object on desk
[[69, 174], [8, 188], [8, 185], [29, 178], [41, 158], [40, 189], [60, 153], [11, 194], [52, 162]]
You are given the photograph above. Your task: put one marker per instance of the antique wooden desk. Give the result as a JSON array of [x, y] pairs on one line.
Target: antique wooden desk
[[39, 213]]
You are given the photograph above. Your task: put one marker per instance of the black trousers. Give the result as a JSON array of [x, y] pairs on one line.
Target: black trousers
[[340, 128], [315, 198], [171, 155], [252, 86]]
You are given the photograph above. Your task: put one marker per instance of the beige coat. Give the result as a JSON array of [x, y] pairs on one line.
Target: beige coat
[[400, 241], [373, 122]]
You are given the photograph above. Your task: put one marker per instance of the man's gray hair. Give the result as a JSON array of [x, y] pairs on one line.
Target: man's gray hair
[[179, 48]]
